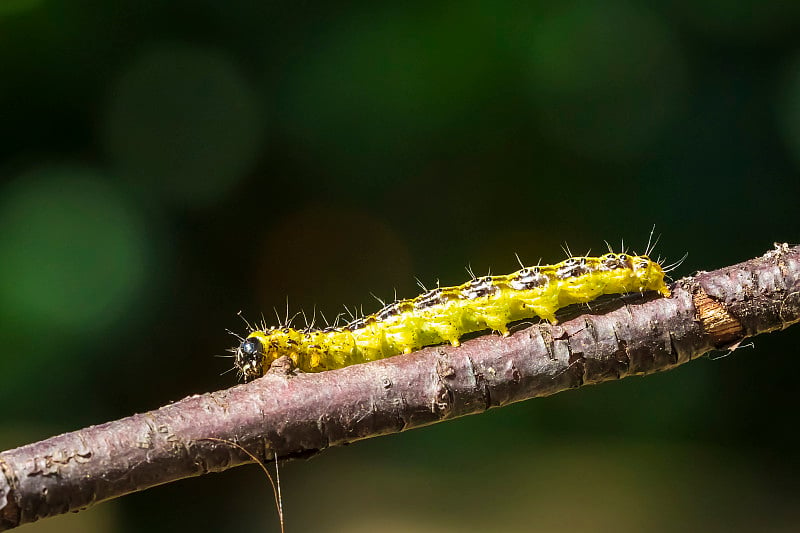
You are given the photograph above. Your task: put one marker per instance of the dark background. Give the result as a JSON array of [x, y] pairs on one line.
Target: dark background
[[166, 165]]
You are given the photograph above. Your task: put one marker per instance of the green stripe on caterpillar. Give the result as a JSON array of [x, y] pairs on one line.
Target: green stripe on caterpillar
[[446, 314]]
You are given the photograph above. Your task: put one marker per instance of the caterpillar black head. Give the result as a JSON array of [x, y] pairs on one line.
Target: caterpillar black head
[[249, 358]]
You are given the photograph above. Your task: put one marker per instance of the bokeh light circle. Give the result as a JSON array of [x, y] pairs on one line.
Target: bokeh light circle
[[73, 252], [183, 122]]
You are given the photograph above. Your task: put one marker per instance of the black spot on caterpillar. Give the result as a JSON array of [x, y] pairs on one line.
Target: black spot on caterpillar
[[446, 314]]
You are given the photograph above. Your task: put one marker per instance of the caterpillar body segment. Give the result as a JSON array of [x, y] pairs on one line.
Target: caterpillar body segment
[[446, 314]]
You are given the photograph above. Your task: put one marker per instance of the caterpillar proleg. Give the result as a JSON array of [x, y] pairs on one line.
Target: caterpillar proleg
[[446, 314]]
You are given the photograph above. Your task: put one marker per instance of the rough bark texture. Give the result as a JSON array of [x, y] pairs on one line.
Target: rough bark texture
[[300, 415]]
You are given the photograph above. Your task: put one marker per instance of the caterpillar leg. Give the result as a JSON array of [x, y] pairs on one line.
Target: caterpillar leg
[[447, 333], [501, 329], [552, 319]]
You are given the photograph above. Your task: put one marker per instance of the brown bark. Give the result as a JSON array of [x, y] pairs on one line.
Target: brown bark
[[299, 415]]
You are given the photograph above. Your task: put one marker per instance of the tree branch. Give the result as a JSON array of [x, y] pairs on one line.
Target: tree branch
[[292, 416]]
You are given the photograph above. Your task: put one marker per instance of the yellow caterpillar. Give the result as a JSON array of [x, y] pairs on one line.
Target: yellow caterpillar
[[446, 314]]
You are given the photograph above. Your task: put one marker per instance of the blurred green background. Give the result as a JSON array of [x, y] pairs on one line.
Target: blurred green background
[[167, 164]]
